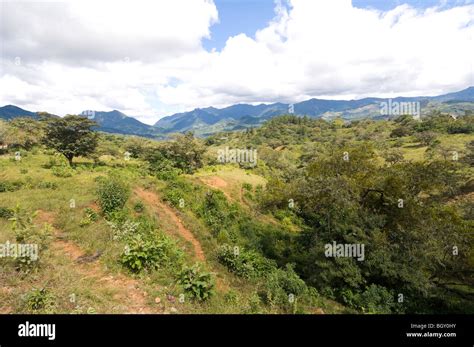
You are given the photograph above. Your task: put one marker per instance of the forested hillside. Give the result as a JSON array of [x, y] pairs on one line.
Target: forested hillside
[[239, 222]]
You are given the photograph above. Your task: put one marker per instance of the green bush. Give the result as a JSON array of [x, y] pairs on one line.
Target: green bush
[[112, 193], [177, 190], [10, 186], [283, 287], [244, 263], [62, 171], [374, 299], [52, 161], [47, 185], [90, 216], [27, 232], [139, 206], [123, 230], [247, 186], [6, 212], [150, 252], [40, 300], [216, 211], [196, 282]]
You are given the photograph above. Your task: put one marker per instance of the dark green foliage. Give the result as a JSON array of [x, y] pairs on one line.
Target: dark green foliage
[[62, 171], [47, 185], [139, 207], [6, 212], [71, 136], [160, 165], [374, 299], [216, 211], [244, 263], [148, 252], [283, 287], [408, 247], [182, 155], [197, 283], [40, 299], [10, 186], [112, 194]]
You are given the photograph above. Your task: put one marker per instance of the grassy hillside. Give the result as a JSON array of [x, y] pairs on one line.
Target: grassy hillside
[[141, 226]]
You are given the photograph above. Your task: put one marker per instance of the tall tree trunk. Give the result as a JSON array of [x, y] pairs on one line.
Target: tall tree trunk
[[69, 159]]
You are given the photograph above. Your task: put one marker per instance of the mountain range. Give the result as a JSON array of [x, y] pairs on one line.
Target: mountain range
[[207, 121]]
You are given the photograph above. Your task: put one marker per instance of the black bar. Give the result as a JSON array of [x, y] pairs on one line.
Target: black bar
[[170, 330]]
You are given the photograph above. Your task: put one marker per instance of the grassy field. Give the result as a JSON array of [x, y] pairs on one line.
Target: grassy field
[[104, 286]]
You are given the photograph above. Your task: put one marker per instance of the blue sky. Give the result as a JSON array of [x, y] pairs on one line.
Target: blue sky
[[248, 16]]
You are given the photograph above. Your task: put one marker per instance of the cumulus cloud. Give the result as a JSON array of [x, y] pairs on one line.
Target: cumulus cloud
[[146, 58]]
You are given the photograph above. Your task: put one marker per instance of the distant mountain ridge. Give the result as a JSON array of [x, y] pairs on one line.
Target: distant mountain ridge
[[119, 123], [244, 115], [206, 121], [9, 112]]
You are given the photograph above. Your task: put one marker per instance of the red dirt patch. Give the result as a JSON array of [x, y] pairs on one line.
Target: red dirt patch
[[43, 217], [152, 199], [216, 183]]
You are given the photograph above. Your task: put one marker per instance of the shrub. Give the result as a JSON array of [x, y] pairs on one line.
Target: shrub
[[216, 212], [6, 213], [150, 252], [26, 232], [139, 206], [62, 171], [247, 186], [283, 287], [123, 230], [51, 162], [254, 304], [231, 297], [244, 263], [196, 282], [40, 300], [47, 185], [177, 190], [90, 216], [375, 299], [11, 186], [113, 193]]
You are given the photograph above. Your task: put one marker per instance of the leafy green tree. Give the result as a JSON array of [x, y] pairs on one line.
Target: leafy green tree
[[187, 152], [23, 132], [426, 138], [71, 136], [184, 153], [393, 156]]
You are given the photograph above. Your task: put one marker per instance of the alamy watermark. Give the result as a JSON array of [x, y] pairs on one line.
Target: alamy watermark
[[346, 250], [236, 155], [398, 108], [89, 113], [19, 250]]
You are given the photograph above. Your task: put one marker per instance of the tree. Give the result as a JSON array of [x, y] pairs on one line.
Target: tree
[[393, 156], [426, 138], [186, 152], [469, 158], [23, 132], [71, 136]]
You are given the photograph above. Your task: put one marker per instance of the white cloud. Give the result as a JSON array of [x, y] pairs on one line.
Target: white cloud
[[146, 58]]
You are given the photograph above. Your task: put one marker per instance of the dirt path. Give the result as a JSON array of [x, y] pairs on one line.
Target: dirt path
[[127, 289], [159, 207]]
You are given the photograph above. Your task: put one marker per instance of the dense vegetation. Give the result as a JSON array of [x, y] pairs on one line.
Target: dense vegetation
[[402, 188]]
